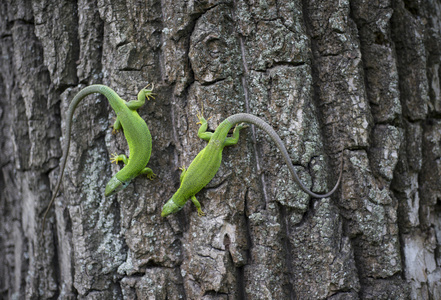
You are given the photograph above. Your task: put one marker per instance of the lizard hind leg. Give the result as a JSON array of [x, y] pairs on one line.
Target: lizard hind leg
[[202, 131], [229, 141], [142, 95], [148, 93]]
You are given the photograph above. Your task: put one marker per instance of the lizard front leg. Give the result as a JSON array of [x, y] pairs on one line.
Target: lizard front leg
[[149, 173], [198, 206], [115, 158]]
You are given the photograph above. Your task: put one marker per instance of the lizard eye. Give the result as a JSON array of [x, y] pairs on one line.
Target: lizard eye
[[122, 186], [114, 186], [169, 208]]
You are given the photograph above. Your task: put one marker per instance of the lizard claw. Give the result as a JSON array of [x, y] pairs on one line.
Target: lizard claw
[[202, 119], [114, 158], [148, 92], [151, 176], [241, 126], [114, 131]]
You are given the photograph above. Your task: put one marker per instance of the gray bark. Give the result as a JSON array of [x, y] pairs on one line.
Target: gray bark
[[358, 78]]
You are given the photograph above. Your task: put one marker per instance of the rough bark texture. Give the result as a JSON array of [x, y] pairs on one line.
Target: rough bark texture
[[359, 77]]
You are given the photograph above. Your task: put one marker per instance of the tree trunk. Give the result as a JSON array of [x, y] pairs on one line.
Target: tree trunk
[[354, 78]]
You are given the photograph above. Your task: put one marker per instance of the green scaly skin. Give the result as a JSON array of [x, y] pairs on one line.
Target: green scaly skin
[[207, 162], [136, 133]]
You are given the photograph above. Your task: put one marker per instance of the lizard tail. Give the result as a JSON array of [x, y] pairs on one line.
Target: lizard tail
[[95, 88], [248, 118]]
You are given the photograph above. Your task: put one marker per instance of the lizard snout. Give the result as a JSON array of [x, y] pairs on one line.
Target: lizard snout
[[169, 208]]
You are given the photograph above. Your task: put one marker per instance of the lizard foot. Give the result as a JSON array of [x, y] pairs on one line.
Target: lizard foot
[[116, 125], [198, 206], [114, 158], [151, 176], [202, 119], [241, 126], [200, 213], [149, 92], [149, 173]]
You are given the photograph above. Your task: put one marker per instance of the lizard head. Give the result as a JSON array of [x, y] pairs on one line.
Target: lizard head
[[169, 208], [115, 185]]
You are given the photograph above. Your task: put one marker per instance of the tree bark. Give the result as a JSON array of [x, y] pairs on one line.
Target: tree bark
[[354, 78]]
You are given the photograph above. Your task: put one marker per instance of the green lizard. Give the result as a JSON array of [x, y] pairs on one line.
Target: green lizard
[[207, 162], [136, 133]]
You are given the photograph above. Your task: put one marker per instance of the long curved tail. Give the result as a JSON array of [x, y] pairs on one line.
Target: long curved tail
[[96, 88], [248, 118]]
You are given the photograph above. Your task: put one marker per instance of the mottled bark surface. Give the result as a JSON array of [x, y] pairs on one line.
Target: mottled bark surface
[[356, 77]]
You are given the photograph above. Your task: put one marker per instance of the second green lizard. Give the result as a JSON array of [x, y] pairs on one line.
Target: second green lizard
[[207, 162]]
